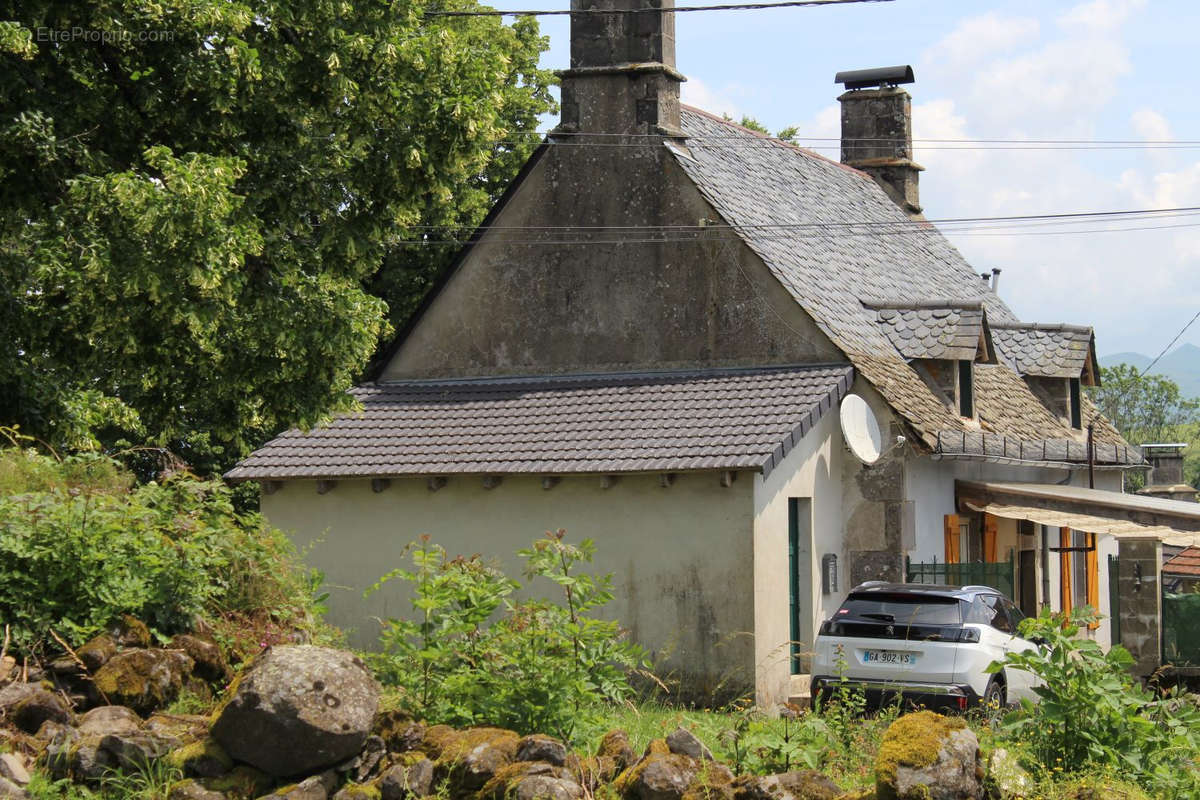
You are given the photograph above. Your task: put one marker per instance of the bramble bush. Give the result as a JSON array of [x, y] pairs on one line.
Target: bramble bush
[[1093, 714], [471, 654], [81, 544]]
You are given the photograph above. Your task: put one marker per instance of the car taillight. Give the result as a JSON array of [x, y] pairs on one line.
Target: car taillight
[[962, 701], [968, 634]]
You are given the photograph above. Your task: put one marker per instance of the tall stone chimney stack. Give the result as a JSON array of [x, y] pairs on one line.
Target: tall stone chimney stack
[[622, 78], [877, 132]]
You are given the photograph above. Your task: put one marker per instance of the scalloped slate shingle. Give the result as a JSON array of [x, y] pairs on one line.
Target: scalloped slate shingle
[[636, 422], [943, 332], [1052, 351]]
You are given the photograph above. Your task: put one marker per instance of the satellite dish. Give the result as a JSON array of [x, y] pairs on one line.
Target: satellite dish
[[860, 429]]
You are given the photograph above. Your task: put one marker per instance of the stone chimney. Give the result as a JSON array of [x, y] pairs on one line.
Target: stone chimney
[[877, 132], [1166, 472], [622, 78]]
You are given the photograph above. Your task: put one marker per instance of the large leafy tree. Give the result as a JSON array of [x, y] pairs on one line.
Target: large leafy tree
[[1144, 408], [207, 207]]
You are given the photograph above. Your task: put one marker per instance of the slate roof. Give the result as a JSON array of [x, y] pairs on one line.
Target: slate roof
[[837, 269], [933, 330], [609, 423], [1052, 351]]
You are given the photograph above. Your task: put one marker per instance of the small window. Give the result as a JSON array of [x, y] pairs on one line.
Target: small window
[[997, 615], [1076, 404], [966, 389]]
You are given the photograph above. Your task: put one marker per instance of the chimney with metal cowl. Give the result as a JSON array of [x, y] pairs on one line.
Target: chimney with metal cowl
[[877, 131], [622, 78]]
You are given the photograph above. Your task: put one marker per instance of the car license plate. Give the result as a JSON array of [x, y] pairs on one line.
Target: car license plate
[[889, 657]]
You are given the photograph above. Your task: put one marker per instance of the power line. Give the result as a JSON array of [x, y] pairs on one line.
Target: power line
[[994, 221], [1146, 371], [836, 141], [676, 10]]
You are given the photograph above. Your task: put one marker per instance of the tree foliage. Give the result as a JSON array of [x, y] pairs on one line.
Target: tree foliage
[[81, 545], [1144, 408], [206, 207]]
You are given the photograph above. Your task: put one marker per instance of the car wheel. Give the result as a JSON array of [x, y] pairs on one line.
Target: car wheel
[[995, 696]]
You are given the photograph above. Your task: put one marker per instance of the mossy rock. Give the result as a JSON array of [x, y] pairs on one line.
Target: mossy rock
[[129, 631], [202, 759], [658, 747], [658, 775], [861, 794], [927, 756], [456, 748], [358, 791], [240, 783], [593, 771], [400, 733], [1101, 788], [96, 652], [144, 680], [436, 739], [504, 782], [712, 781], [615, 745]]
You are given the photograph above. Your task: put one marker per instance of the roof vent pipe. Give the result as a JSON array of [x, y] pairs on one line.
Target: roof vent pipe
[[995, 279]]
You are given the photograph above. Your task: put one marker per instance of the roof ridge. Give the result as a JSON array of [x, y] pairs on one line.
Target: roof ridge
[[900, 305], [776, 140], [574, 377], [1044, 326]]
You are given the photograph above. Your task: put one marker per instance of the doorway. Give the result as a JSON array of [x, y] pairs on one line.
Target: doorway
[[800, 559]]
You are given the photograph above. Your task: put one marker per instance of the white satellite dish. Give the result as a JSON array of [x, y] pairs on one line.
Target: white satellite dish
[[860, 429]]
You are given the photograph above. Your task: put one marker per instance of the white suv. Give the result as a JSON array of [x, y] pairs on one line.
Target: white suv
[[930, 644]]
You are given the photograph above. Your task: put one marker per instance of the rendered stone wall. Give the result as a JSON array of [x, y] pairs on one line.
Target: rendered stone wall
[[1140, 586]]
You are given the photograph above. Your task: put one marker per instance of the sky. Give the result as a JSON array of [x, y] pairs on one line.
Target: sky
[[1023, 69]]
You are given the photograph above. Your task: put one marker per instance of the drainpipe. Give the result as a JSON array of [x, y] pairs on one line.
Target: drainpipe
[[1091, 448]]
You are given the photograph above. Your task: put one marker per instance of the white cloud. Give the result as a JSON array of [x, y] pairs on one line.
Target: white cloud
[[1099, 15], [697, 93], [1151, 125], [984, 35]]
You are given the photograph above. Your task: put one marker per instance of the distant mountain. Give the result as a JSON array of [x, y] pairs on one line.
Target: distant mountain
[[1181, 365]]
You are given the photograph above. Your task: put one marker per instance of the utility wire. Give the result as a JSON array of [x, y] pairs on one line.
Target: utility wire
[[677, 10], [1146, 371], [905, 225]]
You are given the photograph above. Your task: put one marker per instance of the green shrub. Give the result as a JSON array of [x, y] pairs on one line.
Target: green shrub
[[81, 545], [1092, 714], [471, 655]]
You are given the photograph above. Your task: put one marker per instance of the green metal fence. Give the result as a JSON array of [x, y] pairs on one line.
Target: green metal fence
[[999, 575], [1180, 631], [1114, 598]]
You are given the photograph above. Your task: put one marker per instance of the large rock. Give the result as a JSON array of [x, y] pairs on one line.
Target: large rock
[[97, 651], [298, 709], [802, 785], [683, 742], [615, 745], [541, 748], [317, 787], [11, 791], [144, 680], [28, 705], [925, 756], [105, 720], [548, 787], [404, 781], [1006, 776], [209, 660], [659, 775]]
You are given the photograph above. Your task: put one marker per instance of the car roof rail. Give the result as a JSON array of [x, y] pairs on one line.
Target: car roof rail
[[978, 588]]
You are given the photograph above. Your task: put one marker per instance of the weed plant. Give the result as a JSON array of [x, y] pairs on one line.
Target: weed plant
[[472, 655], [82, 544]]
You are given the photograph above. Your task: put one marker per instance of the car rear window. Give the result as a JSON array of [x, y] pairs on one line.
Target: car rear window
[[902, 609]]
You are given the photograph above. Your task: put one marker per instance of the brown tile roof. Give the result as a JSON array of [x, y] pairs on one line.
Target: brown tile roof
[[933, 330], [639, 422], [1187, 562], [1051, 351]]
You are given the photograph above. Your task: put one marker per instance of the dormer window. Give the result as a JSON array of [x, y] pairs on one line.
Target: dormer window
[[942, 341], [1056, 361], [1076, 404], [966, 388]]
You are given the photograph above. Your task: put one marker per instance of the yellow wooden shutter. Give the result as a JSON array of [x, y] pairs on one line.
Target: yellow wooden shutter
[[950, 529], [989, 538], [1093, 578], [1064, 569]]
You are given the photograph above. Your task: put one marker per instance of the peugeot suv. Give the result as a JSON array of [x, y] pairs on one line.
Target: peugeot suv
[[929, 644]]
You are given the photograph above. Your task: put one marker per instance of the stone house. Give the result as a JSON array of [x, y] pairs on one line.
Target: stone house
[[646, 343]]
